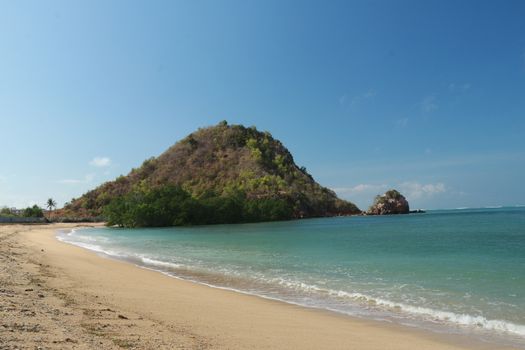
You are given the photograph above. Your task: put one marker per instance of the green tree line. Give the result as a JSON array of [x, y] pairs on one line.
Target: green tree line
[[35, 212], [171, 205]]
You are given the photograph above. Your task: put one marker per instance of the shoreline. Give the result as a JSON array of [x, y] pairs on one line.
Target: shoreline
[[198, 316], [483, 336]]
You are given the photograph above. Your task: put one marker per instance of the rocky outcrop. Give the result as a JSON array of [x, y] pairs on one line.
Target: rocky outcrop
[[392, 202]]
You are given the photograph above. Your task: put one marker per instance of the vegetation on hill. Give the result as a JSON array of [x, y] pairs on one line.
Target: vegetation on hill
[[220, 174]]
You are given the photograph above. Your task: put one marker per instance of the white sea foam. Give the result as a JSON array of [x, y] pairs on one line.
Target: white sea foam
[[67, 238], [428, 314], [439, 315], [154, 262], [357, 299]]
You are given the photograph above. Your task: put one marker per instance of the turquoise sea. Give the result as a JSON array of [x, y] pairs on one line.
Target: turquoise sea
[[450, 271]]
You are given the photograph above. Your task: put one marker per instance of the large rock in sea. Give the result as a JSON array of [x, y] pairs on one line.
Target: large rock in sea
[[392, 202]]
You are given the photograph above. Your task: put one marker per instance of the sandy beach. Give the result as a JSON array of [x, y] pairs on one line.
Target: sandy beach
[[55, 295]]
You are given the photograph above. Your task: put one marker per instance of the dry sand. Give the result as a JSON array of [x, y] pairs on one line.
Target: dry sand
[[57, 296]]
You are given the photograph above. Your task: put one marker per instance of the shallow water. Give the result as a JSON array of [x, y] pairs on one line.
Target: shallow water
[[454, 271]]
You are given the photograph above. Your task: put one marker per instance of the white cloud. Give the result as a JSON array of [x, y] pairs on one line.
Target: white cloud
[[416, 190], [87, 179], [412, 190], [429, 104], [361, 188], [100, 162], [365, 193]]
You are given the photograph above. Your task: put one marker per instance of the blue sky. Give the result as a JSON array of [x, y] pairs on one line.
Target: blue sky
[[424, 96]]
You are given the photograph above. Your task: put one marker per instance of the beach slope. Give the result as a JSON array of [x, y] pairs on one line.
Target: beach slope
[[55, 295]]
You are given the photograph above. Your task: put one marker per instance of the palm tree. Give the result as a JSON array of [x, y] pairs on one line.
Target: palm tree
[[50, 204]]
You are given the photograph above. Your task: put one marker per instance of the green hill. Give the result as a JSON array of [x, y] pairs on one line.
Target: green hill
[[220, 174]]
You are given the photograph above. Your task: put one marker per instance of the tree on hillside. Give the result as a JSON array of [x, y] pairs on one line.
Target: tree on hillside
[[50, 204]]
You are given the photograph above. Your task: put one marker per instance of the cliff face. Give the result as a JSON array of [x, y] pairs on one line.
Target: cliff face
[[392, 202], [219, 161]]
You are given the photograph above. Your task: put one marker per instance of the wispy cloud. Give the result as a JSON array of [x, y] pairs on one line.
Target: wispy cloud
[[403, 122], [429, 164], [416, 190], [453, 87], [363, 97], [429, 104], [357, 99], [100, 162], [87, 179]]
